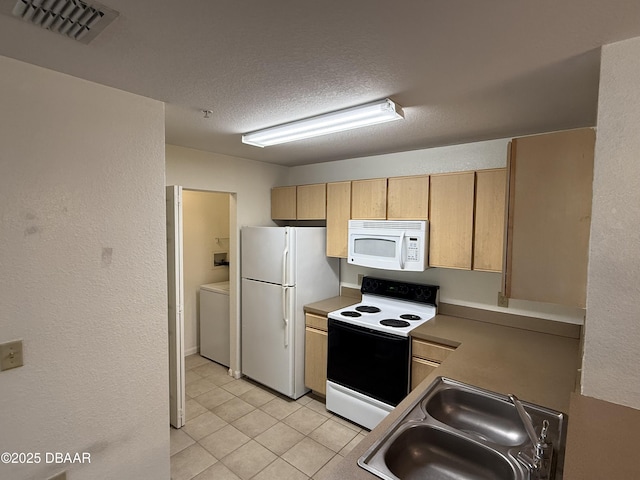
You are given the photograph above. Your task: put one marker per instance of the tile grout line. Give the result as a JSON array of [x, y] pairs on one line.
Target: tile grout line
[[217, 371]]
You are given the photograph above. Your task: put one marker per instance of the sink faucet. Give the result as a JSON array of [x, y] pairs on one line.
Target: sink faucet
[[541, 463]]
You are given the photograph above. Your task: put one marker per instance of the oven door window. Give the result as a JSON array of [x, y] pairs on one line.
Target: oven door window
[[375, 247], [373, 363]]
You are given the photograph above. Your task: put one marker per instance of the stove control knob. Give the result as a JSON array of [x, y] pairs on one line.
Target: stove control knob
[[369, 285]]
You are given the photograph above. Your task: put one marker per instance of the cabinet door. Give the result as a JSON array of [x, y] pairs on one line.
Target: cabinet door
[[283, 203], [488, 238], [369, 199], [451, 220], [550, 190], [312, 202], [420, 369], [408, 198], [338, 215], [315, 360]]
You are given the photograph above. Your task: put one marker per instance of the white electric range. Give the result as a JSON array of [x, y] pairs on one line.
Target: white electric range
[[369, 349]]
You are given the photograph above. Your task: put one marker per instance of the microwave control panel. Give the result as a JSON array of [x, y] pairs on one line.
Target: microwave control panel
[[413, 254]]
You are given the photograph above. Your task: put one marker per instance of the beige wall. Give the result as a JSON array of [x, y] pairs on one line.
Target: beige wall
[[250, 183], [82, 276], [475, 289], [205, 219], [612, 328]]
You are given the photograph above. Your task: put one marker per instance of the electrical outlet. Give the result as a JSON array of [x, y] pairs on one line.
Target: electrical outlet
[[11, 355], [502, 300], [360, 277]]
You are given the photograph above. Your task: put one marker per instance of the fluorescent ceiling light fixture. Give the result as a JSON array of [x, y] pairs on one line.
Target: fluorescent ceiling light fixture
[[355, 117]]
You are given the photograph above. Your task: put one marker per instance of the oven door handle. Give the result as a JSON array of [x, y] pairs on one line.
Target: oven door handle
[[402, 250]]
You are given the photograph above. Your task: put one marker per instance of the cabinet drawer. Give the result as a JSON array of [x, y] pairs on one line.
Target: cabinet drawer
[[315, 321], [435, 352], [420, 369]]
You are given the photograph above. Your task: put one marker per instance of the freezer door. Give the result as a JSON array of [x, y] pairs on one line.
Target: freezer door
[[267, 333], [267, 254]]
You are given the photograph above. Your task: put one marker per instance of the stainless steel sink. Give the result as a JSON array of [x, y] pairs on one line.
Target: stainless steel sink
[[486, 417], [422, 451], [457, 431]]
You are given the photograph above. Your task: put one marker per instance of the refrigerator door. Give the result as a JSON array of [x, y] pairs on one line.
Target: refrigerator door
[[267, 334], [267, 253]]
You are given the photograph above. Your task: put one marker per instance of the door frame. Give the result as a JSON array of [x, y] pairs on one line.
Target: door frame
[[175, 306]]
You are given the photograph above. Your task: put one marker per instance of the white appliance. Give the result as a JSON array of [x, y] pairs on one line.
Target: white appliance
[[369, 348], [215, 337], [389, 244], [283, 269]]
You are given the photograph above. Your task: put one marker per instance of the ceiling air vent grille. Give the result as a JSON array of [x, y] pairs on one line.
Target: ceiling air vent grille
[[75, 19]]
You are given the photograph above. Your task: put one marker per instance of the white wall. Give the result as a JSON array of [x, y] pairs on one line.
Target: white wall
[[82, 276], [205, 220], [475, 289], [612, 327], [250, 182]]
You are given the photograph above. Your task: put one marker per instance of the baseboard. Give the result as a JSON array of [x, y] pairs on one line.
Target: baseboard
[[191, 351]]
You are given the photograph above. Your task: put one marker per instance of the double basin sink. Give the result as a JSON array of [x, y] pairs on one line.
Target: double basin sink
[[456, 431]]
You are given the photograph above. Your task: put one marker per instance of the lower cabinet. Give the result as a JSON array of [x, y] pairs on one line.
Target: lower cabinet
[[315, 353], [425, 358]]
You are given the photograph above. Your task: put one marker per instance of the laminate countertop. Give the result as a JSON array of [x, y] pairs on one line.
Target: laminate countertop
[[323, 307], [538, 367], [537, 361]]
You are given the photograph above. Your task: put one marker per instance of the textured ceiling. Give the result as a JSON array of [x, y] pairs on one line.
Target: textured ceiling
[[463, 70]]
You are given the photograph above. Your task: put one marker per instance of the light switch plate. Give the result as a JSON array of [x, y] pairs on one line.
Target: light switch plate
[[11, 355]]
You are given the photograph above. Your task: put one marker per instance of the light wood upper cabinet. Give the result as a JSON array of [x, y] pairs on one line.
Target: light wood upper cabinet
[[408, 198], [283, 203], [302, 202], [311, 202], [338, 215], [451, 220], [369, 199], [488, 241], [549, 217]]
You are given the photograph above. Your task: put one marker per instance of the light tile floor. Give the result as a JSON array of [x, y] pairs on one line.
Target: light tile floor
[[238, 429]]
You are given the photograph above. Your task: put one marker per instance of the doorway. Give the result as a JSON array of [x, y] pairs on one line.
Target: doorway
[[201, 241], [206, 256]]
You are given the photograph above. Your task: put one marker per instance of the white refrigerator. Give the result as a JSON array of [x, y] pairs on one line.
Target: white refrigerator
[[283, 269]]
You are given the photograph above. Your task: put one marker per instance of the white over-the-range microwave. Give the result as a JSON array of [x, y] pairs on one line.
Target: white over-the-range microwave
[[389, 244]]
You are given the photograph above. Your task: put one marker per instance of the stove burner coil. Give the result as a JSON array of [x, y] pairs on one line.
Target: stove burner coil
[[410, 316], [393, 322], [367, 309], [350, 313]]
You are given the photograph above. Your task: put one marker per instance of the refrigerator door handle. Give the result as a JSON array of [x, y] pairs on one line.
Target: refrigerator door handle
[[285, 315], [285, 258]]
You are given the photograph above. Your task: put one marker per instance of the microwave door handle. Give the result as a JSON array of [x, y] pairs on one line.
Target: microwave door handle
[[402, 250]]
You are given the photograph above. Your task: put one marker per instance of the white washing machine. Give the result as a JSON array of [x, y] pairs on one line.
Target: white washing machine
[[214, 322]]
